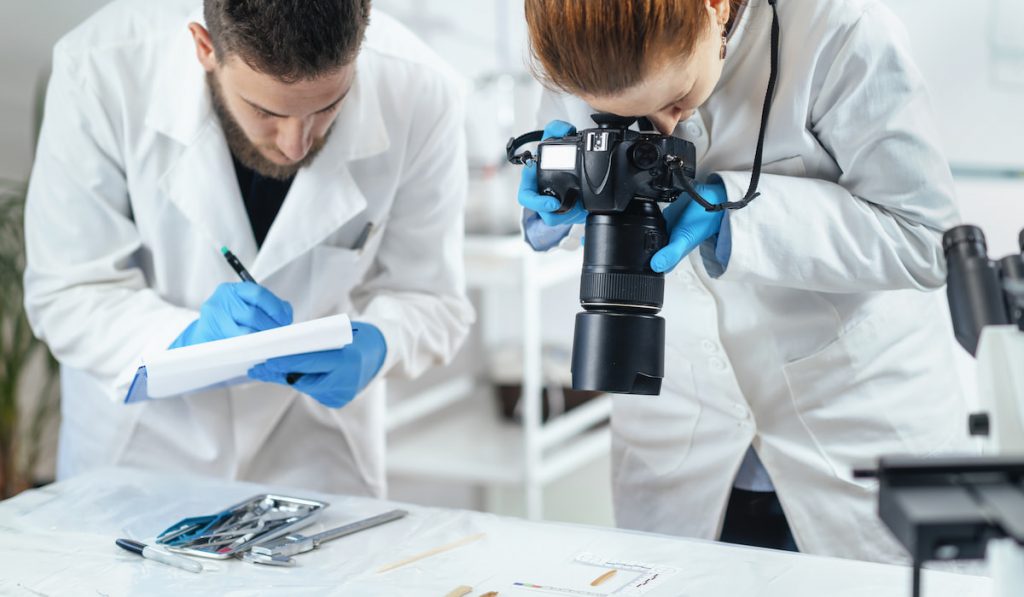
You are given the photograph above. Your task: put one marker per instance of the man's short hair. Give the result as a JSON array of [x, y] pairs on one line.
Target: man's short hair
[[291, 40]]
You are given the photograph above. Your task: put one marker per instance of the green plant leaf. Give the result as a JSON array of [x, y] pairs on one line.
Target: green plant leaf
[[21, 433]]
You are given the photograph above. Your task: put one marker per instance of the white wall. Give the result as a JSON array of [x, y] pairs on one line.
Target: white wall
[[972, 53], [28, 30]]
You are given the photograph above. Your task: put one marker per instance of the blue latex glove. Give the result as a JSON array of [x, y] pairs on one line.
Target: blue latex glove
[[332, 377], [235, 309], [545, 205], [689, 225]]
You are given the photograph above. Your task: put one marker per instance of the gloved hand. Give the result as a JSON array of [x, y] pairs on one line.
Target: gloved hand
[[235, 309], [689, 225], [545, 205], [332, 377]]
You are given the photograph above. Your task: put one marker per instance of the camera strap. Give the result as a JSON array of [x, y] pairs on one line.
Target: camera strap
[[516, 142], [766, 109]]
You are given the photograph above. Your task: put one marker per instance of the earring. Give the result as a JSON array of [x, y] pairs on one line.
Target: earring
[[722, 52]]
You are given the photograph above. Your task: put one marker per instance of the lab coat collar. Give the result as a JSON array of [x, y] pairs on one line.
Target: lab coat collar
[[739, 27], [202, 181], [753, 12], [180, 105]]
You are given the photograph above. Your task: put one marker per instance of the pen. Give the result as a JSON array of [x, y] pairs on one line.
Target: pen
[[247, 277], [159, 556], [236, 265], [363, 236]]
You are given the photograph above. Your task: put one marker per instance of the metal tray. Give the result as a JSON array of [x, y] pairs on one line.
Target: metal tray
[[269, 505]]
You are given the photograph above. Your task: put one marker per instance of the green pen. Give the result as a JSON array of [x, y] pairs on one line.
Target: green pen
[[237, 265], [244, 274]]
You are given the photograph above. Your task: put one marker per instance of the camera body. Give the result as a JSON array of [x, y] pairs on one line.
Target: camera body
[[608, 167], [619, 175]]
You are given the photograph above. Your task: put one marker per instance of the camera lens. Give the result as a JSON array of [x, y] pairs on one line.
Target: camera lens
[[619, 339]]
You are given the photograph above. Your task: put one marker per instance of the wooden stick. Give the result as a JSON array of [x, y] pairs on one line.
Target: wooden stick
[[600, 579], [431, 552], [460, 591]]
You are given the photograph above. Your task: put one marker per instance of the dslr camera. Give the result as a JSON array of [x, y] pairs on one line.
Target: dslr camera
[[619, 175]]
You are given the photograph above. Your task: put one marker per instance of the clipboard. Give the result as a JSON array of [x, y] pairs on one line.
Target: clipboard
[[226, 362]]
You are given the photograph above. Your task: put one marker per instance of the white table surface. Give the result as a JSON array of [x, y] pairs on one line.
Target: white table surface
[[59, 540]]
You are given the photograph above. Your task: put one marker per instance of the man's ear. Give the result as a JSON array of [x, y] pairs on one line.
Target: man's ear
[[204, 46]]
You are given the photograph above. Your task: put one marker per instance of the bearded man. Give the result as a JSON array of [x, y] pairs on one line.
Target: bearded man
[[323, 144]]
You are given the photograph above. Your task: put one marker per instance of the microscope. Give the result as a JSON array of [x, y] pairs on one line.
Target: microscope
[[962, 508]]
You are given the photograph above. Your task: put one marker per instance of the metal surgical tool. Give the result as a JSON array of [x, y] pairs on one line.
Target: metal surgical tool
[[296, 544], [255, 558]]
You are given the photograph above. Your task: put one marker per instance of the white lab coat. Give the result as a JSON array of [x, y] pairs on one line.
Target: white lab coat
[[823, 343], [132, 193]]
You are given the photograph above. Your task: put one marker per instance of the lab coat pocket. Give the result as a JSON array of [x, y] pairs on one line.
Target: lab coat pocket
[[883, 387], [652, 434], [340, 270]]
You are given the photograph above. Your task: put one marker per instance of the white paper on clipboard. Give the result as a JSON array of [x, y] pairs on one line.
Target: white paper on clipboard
[[202, 366]]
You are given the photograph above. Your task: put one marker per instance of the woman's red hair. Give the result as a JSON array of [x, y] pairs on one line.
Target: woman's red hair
[[601, 47]]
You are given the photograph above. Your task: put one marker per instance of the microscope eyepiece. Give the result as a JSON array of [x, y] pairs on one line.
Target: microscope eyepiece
[[975, 284], [966, 240]]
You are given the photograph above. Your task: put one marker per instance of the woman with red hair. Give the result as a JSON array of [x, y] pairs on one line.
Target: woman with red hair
[[804, 335]]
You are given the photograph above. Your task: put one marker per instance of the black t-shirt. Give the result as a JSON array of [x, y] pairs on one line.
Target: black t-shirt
[[263, 198]]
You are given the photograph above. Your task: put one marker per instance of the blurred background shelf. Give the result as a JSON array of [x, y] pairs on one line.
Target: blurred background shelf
[[471, 443], [493, 263], [453, 431]]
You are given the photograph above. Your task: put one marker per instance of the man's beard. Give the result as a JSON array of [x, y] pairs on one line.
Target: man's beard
[[244, 150]]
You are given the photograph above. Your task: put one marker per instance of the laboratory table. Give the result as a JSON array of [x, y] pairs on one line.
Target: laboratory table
[[59, 540]]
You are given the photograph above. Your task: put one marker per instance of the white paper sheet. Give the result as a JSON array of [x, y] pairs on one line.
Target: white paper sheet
[[199, 366], [574, 578]]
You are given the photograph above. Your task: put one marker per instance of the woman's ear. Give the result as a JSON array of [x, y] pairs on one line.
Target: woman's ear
[[719, 11]]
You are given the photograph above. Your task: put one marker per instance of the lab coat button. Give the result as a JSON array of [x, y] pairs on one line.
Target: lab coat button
[[741, 411], [709, 346], [717, 364], [693, 130]]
